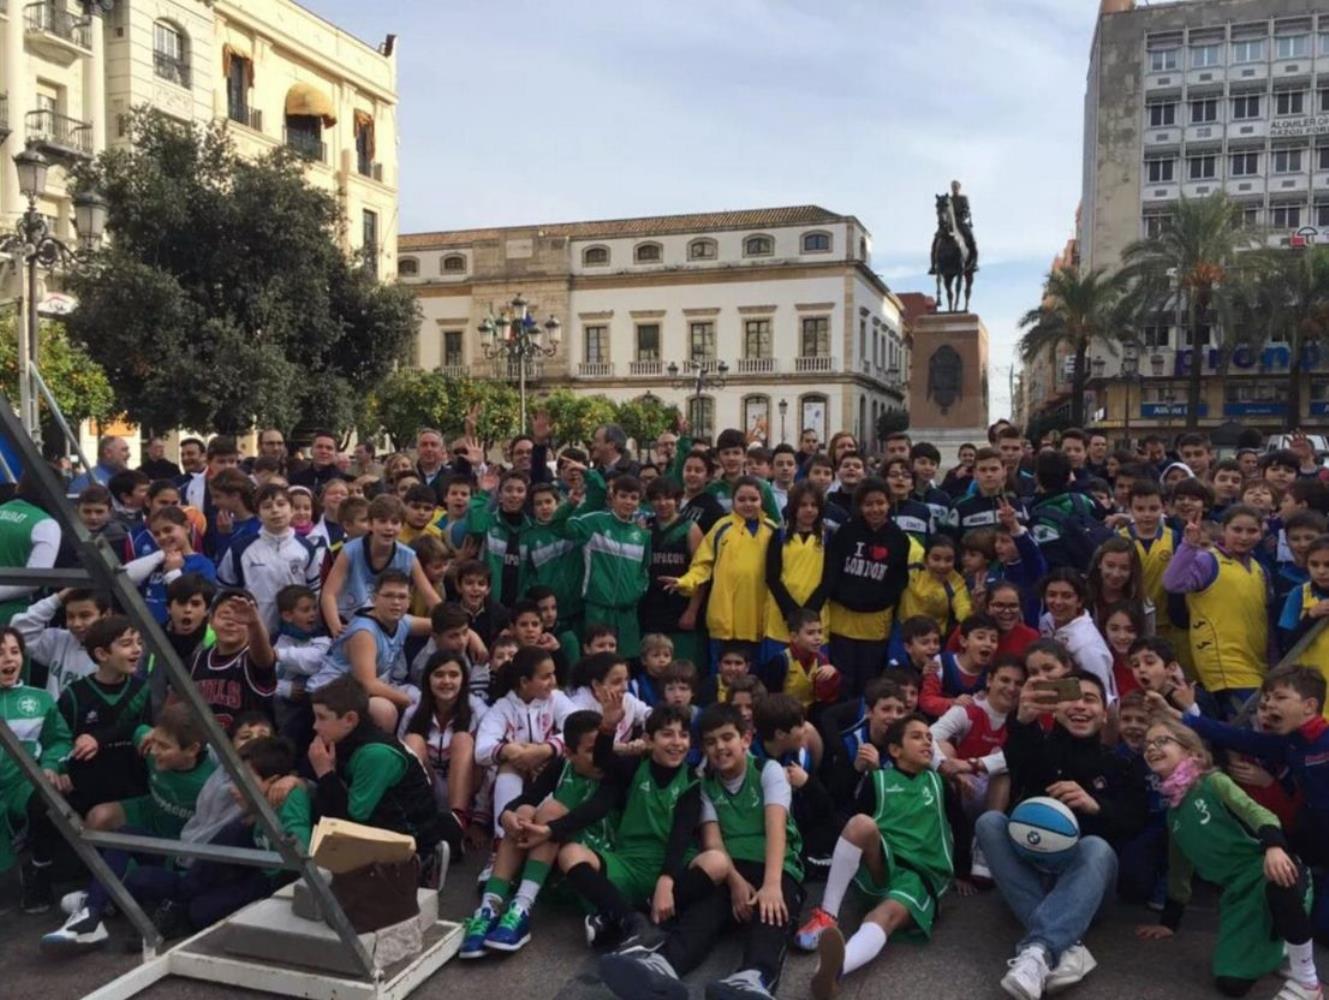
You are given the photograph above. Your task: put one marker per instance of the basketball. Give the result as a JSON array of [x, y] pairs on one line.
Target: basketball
[[1044, 831]]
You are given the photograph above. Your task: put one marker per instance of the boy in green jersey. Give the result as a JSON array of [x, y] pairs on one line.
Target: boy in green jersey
[[556, 560], [178, 766], [616, 560], [659, 803], [31, 714], [896, 850], [533, 828], [746, 827]]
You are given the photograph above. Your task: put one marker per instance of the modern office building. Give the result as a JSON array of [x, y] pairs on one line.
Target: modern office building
[[1186, 100], [785, 298]]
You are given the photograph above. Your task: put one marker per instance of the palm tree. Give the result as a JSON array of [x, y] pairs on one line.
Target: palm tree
[[1289, 305], [1077, 309], [1191, 264]]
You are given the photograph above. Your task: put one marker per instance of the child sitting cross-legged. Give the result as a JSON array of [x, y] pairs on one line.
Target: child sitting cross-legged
[[178, 766], [533, 832]]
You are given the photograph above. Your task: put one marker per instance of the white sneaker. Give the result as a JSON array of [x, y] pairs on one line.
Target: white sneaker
[[978, 866], [72, 902], [81, 932], [1293, 990], [1027, 973], [1075, 963]]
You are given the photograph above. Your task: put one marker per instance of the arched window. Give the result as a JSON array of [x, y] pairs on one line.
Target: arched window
[[454, 263], [648, 253], [757, 415], [408, 267], [595, 256], [814, 414], [702, 250], [170, 53], [816, 242], [758, 246]]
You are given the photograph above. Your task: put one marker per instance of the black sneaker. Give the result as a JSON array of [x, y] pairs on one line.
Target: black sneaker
[[637, 974], [37, 894], [638, 932]]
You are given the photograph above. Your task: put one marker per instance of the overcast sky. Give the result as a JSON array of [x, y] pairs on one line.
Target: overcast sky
[[527, 111]]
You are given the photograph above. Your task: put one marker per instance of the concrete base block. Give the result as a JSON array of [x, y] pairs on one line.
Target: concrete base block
[[270, 930]]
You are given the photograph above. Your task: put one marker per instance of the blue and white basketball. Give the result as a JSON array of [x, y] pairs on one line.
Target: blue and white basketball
[[1044, 831]]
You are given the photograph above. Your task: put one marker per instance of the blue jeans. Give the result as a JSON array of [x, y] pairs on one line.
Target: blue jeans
[[1056, 910]]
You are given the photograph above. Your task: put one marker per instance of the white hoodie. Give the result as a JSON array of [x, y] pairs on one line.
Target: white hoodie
[[64, 656], [511, 720], [1088, 648]]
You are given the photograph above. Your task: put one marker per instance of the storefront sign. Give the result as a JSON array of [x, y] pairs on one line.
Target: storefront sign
[[1254, 409], [1296, 128], [1169, 409], [1275, 358]]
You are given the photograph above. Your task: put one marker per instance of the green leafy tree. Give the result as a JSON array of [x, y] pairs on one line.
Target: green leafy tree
[[407, 400], [1289, 305], [222, 297], [575, 417], [1077, 310], [494, 405], [1192, 267], [647, 417], [79, 385]]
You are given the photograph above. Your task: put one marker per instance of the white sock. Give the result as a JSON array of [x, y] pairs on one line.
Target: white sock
[[844, 863], [490, 901], [526, 893], [864, 946], [1302, 958], [507, 786]]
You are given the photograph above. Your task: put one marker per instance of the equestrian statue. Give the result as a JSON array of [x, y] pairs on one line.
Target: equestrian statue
[[954, 253]]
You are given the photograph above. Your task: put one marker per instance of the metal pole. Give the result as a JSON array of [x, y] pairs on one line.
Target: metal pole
[[24, 357], [520, 343]]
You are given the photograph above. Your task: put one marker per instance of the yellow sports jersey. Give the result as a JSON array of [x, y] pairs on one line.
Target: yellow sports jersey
[[1317, 653], [803, 559], [1230, 626], [945, 602]]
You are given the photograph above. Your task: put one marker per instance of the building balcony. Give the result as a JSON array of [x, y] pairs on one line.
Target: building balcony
[[1247, 129], [1289, 184], [813, 364], [308, 146], [1244, 186], [453, 370], [641, 368], [372, 170], [244, 115], [1245, 72], [1209, 74], [595, 369], [756, 366], [1206, 132], [1171, 80], [172, 69], [60, 136], [1293, 69], [57, 34], [1161, 137], [511, 369], [1167, 191]]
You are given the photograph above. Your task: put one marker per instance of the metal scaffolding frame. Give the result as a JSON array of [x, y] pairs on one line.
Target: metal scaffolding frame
[[101, 570]]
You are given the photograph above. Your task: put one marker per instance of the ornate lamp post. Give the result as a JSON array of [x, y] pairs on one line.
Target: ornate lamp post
[[700, 375], [33, 245], [1130, 373], [784, 408], [515, 335]]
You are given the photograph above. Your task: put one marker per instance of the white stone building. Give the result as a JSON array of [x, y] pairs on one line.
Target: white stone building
[[785, 297]]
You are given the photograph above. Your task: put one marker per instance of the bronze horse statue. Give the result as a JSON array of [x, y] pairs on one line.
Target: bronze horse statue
[[952, 260]]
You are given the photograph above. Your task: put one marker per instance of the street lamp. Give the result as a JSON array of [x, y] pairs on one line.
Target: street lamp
[[515, 335], [33, 244], [700, 375], [1130, 373], [784, 408]]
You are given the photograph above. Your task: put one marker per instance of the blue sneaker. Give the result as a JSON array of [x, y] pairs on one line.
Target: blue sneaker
[[511, 932], [476, 929]]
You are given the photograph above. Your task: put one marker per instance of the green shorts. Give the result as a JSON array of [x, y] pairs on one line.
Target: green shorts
[[142, 813], [633, 875], [905, 886]]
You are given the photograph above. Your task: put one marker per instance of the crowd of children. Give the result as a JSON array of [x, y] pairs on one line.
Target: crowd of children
[[683, 689]]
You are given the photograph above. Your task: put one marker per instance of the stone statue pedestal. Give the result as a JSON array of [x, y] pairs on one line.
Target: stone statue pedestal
[[948, 382]]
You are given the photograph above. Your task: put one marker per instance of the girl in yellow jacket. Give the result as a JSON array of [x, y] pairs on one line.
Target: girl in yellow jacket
[[795, 560], [936, 589], [732, 558]]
